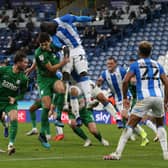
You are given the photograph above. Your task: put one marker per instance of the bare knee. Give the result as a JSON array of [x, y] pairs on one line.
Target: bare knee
[[59, 86], [133, 120], [74, 91], [102, 98], [13, 115]]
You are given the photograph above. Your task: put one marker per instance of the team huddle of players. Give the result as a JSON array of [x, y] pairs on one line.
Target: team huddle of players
[[64, 85]]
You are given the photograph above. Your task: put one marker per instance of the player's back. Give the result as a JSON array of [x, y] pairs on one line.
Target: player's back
[[148, 74], [67, 32]]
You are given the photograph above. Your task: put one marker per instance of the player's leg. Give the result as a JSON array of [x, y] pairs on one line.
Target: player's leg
[[93, 130], [59, 88], [162, 134], [77, 130], [67, 69], [32, 111], [74, 102], [107, 106], [5, 122], [66, 79], [81, 67], [158, 113], [127, 132], [46, 102], [151, 123], [140, 131], [13, 127], [88, 120]]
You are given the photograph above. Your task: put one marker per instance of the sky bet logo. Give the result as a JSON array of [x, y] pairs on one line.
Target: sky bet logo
[[102, 117]]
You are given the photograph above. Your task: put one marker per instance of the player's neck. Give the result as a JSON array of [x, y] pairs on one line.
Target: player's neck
[[15, 69], [112, 70]]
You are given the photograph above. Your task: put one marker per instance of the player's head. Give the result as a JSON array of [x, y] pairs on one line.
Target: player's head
[[111, 64], [49, 27], [44, 40], [20, 60], [145, 49]]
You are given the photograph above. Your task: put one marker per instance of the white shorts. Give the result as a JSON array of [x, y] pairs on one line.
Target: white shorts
[[77, 60], [153, 104]]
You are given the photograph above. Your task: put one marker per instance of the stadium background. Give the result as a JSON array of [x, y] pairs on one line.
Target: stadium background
[[118, 28]]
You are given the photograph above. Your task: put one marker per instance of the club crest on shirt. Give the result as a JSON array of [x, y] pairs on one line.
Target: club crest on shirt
[[54, 56], [18, 82], [41, 57]]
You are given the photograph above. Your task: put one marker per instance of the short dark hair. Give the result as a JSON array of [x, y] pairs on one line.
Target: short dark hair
[[43, 37], [145, 48], [49, 27], [112, 58], [19, 56]]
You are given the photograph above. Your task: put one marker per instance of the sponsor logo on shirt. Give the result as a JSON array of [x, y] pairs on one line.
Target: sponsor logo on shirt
[[9, 85]]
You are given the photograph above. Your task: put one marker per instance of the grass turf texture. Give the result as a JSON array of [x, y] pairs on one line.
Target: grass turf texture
[[70, 153]]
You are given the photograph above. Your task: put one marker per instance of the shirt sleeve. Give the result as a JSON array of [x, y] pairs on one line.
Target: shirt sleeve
[[123, 72], [72, 18], [132, 67], [56, 41], [161, 70], [103, 75]]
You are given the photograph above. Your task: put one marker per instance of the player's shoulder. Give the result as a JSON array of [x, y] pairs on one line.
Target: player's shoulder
[[3, 67], [6, 68], [37, 51]]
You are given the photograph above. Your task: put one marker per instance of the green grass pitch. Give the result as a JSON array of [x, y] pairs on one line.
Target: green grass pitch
[[70, 153]]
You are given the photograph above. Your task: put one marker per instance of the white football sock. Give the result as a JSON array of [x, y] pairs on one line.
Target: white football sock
[[140, 131], [66, 93], [86, 88], [75, 106], [151, 125], [109, 107], [59, 130], [127, 132], [162, 134]]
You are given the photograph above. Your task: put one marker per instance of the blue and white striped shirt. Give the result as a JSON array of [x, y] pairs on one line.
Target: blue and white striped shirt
[[67, 32], [114, 81], [147, 72]]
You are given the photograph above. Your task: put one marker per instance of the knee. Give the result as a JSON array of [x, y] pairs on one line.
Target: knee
[[102, 98], [72, 124], [13, 115], [73, 92], [59, 87]]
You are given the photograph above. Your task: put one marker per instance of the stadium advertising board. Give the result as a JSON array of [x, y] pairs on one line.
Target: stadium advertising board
[[100, 116]]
